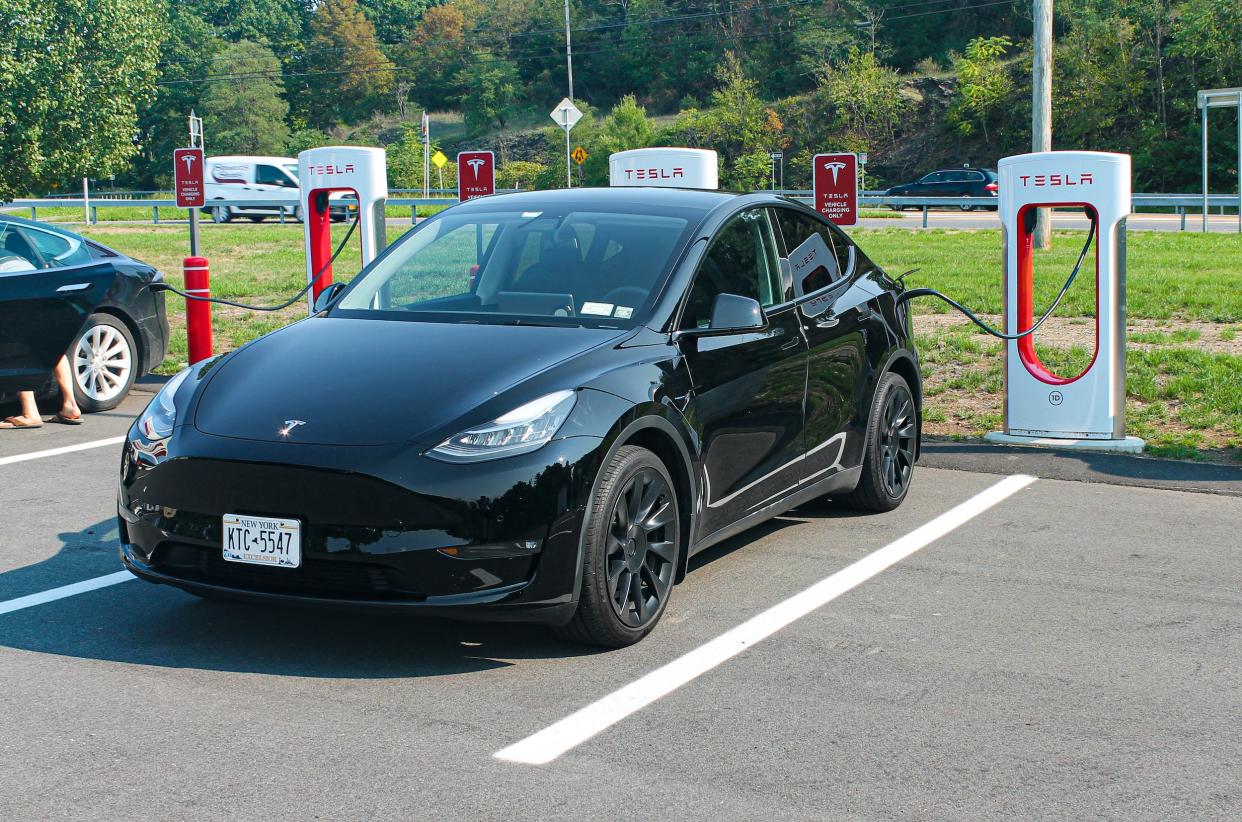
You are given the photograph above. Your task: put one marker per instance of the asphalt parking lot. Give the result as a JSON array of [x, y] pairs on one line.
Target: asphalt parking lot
[[1053, 649]]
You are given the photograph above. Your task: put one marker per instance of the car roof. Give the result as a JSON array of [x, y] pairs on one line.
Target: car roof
[[55, 229], [252, 158], [694, 201]]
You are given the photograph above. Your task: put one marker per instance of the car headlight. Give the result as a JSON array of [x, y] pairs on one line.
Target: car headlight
[[524, 429], [160, 416]]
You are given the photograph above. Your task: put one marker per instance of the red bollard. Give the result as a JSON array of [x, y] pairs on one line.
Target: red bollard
[[197, 312]]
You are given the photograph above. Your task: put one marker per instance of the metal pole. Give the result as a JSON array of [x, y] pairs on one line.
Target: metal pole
[[569, 57], [194, 232], [1203, 127], [1239, 166], [1041, 103], [569, 183]]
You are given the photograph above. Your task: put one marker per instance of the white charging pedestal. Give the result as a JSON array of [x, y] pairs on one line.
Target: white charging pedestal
[[330, 170], [1086, 411], [664, 167]]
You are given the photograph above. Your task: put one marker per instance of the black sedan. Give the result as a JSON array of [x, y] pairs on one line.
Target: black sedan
[[534, 406], [951, 182], [61, 293]]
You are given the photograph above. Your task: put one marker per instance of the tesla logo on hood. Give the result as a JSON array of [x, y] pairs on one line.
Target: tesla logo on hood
[[289, 426]]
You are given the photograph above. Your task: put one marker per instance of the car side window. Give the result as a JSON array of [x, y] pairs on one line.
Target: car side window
[[271, 176], [741, 260], [17, 255], [57, 250], [934, 177], [819, 255]]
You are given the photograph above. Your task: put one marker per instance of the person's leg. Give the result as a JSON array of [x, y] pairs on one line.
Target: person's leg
[[29, 417], [69, 409]]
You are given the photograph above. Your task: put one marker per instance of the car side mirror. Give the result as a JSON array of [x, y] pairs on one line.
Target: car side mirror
[[733, 312], [324, 301]]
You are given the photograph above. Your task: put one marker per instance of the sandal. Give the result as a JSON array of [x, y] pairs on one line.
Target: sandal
[[63, 420], [12, 423]]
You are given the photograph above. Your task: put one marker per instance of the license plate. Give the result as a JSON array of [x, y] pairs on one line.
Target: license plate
[[263, 540]]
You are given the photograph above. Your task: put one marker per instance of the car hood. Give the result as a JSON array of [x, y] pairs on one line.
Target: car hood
[[375, 382]]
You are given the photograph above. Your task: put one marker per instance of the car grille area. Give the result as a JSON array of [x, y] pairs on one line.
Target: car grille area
[[314, 578]]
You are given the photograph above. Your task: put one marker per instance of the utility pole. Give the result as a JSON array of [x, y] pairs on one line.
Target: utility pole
[[1041, 102], [569, 71]]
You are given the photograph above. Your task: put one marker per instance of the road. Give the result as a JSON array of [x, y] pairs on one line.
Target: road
[[1073, 650]]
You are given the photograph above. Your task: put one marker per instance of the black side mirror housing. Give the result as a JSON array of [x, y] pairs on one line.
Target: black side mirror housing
[[324, 301]]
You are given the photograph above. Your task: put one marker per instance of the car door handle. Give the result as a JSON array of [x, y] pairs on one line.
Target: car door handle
[[827, 322], [73, 287]]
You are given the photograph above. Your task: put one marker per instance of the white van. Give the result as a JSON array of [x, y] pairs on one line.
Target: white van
[[243, 178]]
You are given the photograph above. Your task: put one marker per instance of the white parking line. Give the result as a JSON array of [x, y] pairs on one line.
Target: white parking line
[[573, 730], [66, 449], [31, 600]]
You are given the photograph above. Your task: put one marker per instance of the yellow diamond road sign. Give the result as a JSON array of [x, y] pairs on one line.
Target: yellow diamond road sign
[[439, 159], [579, 155]]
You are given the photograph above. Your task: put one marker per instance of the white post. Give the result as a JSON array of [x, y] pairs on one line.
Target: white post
[[1041, 103], [1203, 119], [1239, 166], [86, 200]]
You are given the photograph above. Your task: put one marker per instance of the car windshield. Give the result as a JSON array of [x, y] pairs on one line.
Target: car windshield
[[592, 268], [292, 168]]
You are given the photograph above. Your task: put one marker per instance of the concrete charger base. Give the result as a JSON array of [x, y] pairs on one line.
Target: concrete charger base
[[1128, 445]]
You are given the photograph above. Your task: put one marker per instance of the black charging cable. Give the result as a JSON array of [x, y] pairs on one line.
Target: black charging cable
[[931, 292], [285, 304]]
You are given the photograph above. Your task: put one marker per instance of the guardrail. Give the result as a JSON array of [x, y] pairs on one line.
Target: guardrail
[[286, 209], [1181, 204]]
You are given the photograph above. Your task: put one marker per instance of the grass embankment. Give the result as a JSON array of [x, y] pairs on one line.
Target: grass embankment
[[1184, 380]]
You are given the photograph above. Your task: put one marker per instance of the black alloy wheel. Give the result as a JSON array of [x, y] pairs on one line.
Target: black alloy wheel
[[630, 560], [888, 459]]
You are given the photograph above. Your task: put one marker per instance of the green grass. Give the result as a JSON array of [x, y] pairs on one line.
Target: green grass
[[1181, 399], [1181, 335], [1171, 275]]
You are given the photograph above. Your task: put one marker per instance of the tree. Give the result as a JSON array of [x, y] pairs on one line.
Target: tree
[[982, 84], [347, 73], [248, 116], [72, 76], [393, 19], [489, 89], [518, 174], [437, 50], [864, 97]]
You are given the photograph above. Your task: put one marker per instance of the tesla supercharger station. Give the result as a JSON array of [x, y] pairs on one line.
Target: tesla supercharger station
[[664, 167], [1041, 407], [330, 169]]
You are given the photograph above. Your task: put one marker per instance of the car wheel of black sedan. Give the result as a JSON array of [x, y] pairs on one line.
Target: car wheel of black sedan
[[888, 461], [630, 553], [104, 363]]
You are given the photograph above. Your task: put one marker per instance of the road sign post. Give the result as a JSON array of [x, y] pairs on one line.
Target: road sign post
[[836, 187], [188, 185], [476, 174], [566, 115]]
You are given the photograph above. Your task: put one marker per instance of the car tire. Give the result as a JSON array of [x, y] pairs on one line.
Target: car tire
[[630, 551], [103, 361], [221, 214], [966, 206], [297, 214], [888, 456], [255, 218]]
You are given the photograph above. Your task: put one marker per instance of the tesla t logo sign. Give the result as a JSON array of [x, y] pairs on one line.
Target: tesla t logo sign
[[188, 177], [1042, 180], [836, 187], [476, 174]]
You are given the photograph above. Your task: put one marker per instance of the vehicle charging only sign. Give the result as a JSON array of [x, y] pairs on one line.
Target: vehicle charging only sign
[[836, 187], [188, 177], [476, 174]]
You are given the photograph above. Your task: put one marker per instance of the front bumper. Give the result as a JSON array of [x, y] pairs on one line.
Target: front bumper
[[374, 533]]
